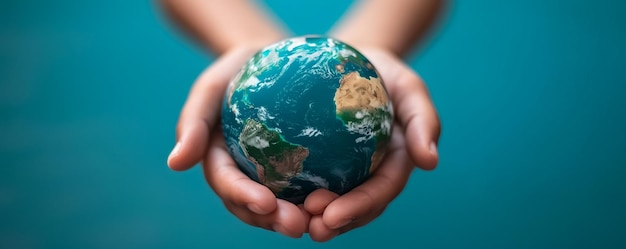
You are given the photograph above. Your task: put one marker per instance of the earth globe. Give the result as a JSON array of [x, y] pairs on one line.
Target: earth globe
[[306, 113]]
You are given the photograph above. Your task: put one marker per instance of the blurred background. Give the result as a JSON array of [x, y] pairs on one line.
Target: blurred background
[[530, 93]]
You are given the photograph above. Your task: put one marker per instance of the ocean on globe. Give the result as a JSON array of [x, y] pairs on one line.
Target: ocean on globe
[[307, 113]]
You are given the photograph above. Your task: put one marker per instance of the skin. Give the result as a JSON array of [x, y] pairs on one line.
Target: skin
[[234, 38]]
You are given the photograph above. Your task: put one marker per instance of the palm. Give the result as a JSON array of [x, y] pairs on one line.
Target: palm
[[416, 127], [246, 199], [324, 214]]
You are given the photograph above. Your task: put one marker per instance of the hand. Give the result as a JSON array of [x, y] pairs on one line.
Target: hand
[[324, 214], [414, 142], [200, 138]]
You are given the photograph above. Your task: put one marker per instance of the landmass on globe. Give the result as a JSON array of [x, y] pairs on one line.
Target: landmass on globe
[[362, 101], [275, 164]]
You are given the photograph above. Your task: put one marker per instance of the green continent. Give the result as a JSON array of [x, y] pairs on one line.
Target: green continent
[[276, 160]]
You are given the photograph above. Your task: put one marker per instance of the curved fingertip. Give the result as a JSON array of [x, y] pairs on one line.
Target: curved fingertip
[[234, 187], [262, 202], [173, 154], [177, 162], [316, 202], [347, 209], [191, 145], [319, 232], [257, 209], [424, 157], [289, 221], [428, 157], [434, 156], [284, 231], [421, 147]]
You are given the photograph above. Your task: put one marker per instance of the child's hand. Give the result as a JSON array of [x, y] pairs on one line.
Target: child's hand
[[414, 143]]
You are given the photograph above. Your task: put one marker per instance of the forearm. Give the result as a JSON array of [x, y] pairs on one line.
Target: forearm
[[222, 25], [395, 25]]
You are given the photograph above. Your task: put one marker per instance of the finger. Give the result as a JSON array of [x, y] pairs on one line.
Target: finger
[[307, 217], [190, 145], [316, 201], [318, 231], [287, 219], [368, 200], [231, 184], [416, 113], [201, 110]]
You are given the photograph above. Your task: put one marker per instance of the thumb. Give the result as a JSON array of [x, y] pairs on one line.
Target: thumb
[[190, 147], [202, 109]]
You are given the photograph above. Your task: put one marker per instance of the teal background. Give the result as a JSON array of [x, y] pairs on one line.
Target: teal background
[[530, 93]]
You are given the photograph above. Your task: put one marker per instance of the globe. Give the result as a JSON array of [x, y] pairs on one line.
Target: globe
[[307, 113]]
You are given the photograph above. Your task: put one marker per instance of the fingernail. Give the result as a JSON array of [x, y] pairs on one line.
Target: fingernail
[[174, 152], [343, 223], [255, 208], [280, 229], [433, 148]]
